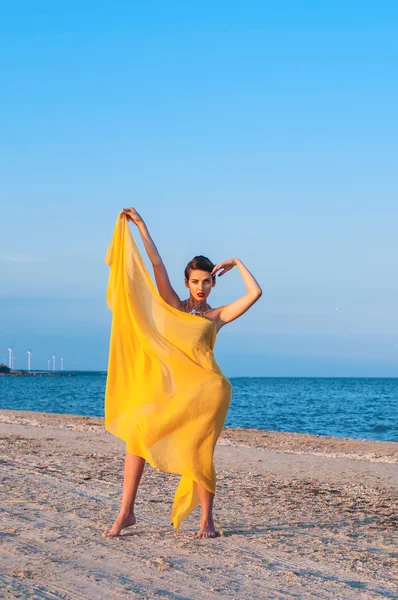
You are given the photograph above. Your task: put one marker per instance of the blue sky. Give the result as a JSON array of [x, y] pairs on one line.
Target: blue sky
[[262, 130]]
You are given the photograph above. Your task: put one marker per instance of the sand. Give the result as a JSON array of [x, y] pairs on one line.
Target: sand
[[300, 516]]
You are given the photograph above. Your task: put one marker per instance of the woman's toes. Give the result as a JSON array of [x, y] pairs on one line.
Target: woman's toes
[[207, 532], [107, 533]]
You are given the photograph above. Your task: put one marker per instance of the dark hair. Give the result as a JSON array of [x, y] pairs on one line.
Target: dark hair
[[199, 262]]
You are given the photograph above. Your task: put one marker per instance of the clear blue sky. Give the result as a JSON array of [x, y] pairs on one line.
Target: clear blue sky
[[263, 130]]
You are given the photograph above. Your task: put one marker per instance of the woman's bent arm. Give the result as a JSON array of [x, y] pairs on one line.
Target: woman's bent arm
[[162, 279], [232, 311], [159, 270]]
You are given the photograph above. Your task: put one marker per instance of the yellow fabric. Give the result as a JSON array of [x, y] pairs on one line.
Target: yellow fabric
[[166, 396]]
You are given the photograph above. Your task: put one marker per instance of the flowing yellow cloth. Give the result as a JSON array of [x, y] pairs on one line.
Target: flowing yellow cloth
[[166, 396]]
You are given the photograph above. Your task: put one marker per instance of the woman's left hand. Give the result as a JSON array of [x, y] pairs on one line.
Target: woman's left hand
[[226, 265]]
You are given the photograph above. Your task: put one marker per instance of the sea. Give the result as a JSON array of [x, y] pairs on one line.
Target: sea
[[360, 408]]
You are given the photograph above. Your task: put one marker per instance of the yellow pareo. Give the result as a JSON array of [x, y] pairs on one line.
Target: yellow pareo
[[166, 396]]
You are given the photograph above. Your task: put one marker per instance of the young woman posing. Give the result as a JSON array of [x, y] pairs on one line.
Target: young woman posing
[[200, 278]]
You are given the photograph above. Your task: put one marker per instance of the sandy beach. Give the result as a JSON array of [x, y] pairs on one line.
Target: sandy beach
[[300, 516]]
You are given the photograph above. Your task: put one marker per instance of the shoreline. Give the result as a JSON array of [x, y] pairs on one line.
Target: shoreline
[[284, 441], [36, 374], [299, 515]]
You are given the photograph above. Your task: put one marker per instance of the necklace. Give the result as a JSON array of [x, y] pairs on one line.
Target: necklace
[[197, 309]]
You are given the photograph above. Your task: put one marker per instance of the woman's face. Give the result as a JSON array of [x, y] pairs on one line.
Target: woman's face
[[199, 284]]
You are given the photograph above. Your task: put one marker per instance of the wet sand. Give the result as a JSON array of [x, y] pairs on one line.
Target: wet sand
[[300, 516]]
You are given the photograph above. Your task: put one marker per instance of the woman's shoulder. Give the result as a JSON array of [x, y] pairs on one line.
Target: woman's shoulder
[[214, 315]]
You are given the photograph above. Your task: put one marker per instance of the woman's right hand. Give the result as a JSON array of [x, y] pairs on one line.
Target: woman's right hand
[[132, 215]]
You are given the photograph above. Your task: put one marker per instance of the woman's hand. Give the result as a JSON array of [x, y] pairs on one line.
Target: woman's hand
[[226, 265], [132, 215]]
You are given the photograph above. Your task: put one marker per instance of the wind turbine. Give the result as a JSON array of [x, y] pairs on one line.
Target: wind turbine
[[62, 364], [48, 365], [11, 356], [54, 362], [29, 355]]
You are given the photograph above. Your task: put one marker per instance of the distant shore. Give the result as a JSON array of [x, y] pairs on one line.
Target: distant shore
[[299, 515], [36, 374]]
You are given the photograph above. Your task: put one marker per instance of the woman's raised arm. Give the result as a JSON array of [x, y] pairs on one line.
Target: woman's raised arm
[[235, 309], [162, 279]]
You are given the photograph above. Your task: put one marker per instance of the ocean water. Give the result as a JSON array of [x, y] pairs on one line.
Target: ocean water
[[362, 408]]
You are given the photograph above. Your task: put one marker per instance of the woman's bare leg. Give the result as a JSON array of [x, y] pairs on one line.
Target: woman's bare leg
[[206, 502], [133, 469]]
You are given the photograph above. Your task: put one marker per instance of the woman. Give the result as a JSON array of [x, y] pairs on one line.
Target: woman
[[200, 278]]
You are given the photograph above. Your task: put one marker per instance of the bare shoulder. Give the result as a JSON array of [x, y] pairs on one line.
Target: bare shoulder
[[214, 315], [164, 286]]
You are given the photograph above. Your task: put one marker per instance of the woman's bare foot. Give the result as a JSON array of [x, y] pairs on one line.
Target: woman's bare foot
[[122, 520], [207, 530]]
